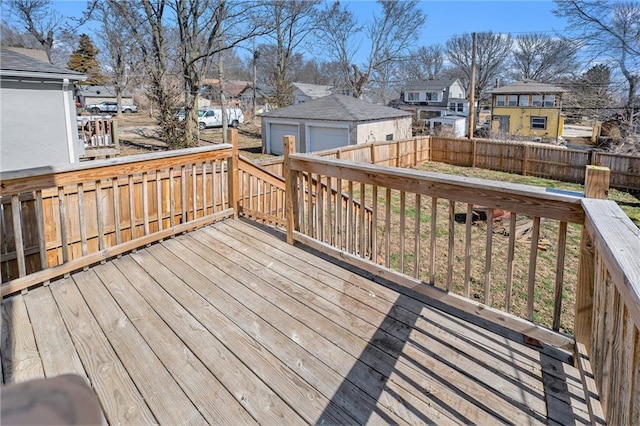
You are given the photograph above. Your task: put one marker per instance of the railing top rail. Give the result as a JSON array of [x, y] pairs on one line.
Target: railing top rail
[[533, 200], [617, 241], [17, 181]]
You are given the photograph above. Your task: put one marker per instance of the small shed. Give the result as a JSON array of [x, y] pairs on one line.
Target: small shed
[[331, 122], [38, 122]]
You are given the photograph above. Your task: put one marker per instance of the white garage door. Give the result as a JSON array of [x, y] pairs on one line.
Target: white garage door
[[321, 138], [277, 132]]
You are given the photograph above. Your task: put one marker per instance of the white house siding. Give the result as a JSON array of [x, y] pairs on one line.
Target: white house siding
[[34, 126], [399, 128]]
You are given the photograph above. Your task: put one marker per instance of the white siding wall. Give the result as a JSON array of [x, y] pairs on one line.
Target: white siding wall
[[400, 128], [33, 125]]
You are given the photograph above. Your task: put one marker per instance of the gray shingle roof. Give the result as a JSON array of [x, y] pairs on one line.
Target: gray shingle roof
[[527, 86], [437, 84], [17, 65], [337, 108]]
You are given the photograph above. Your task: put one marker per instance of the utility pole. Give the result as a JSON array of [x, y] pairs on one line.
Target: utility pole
[[256, 55], [472, 89]]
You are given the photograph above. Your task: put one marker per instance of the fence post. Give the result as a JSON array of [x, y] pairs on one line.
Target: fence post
[[232, 172], [596, 186], [373, 153], [473, 153], [290, 192]]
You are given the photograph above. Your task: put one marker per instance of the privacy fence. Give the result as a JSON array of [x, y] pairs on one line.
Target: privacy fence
[[528, 159]]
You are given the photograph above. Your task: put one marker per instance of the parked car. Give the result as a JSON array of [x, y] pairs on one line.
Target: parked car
[[110, 107], [212, 117]]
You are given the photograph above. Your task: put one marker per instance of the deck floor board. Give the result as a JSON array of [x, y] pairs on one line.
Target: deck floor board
[[229, 324]]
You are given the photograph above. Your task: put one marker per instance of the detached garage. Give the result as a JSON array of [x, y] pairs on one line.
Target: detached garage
[[331, 122]]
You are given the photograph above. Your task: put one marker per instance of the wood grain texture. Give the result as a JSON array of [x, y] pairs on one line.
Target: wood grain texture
[[120, 399], [20, 358]]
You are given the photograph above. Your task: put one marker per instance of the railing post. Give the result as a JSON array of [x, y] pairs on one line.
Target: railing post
[[233, 172], [290, 192], [596, 186], [114, 134]]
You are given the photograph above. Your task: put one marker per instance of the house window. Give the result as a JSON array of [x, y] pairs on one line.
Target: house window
[[501, 100], [539, 123], [460, 107], [524, 100], [389, 137], [512, 100], [433, 96], [536, 100], [549, 101], [413, 96]]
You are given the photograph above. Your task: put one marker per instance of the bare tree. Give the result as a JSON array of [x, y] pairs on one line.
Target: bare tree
[[425, 63], [39, 19], [543, 58], [610, 31], [390, 34], [492, 52], [292, 21]]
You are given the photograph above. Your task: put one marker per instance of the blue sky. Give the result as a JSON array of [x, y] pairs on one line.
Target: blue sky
[[445, 17]]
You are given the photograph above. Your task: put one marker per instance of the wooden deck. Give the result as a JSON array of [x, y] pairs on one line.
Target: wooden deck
[[229, 324]]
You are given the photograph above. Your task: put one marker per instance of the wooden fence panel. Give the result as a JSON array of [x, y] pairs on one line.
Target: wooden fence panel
[[625, 170]]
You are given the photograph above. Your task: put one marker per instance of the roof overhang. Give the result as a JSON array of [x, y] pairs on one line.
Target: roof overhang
[[42, 75]]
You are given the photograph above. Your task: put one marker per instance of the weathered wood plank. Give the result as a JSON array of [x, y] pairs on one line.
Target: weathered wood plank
[[200, 385], [119, 397], [361, 319], [164, 397], [212, 319], [20, 358], [54, 343], [263, 304]]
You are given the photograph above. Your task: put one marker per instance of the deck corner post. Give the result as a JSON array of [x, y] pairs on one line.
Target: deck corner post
[[596, 186], [233, 171], [290, 193]]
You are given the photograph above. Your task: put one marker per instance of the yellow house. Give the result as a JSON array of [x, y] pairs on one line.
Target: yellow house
[[529, 109]]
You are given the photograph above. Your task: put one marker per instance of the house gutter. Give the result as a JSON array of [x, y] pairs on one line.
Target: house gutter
[[65, 103]]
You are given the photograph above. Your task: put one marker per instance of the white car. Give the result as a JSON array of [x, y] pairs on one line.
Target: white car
[[212, 117]]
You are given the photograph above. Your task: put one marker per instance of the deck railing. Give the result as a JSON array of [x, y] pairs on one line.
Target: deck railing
[[425, 236], [56, 220]]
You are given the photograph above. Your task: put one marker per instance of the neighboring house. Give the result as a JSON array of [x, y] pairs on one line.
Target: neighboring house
[[38, 54], [304, 92], [246, 97], [38, 122], [232, 91], [449, 125], [87, 95], [527, 108], [433, 98], [331, 122]]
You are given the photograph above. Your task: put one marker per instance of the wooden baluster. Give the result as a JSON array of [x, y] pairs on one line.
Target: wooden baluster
[[350, 227], [63, 224], [233, 164], [417, 237], [452, 240], [224, 169], [82, 220], [16, 214], [132, 208], [339, 203], [432, 260], [387, 229], [510, 260], [204, 188], [214, 174], [159, 199], [561, 251], [488, 258], [183, 194], [145, 203], [116, 209], [44, 264], [361, 222], [331, 238], [100, 215], [374, 223], [194, 191], [533, 257], [467, 251], [320, 207], [172, 199], [403, 200]]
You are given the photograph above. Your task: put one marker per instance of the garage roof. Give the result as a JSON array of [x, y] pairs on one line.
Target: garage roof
[[337, 108], [14, 64]]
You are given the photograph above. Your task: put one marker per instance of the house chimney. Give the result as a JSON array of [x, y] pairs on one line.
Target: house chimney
[[496, 84]]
